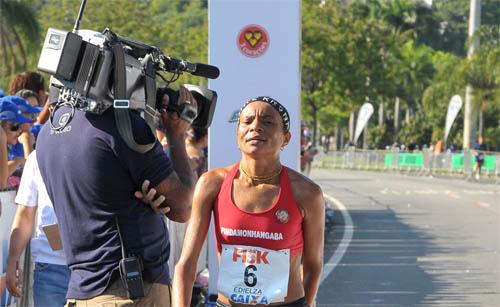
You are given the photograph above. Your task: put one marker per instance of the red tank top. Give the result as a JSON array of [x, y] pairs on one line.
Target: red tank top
[[279, 227]]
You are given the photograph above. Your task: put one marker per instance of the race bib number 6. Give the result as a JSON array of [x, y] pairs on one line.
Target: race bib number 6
[[253, 275]]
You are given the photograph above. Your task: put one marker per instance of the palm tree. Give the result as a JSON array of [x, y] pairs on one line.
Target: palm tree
[[415, 71], [17, 21], [410, 24], [482, 71], [412, 19]]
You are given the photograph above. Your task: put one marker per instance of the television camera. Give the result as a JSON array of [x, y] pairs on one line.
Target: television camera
[[94, 71]]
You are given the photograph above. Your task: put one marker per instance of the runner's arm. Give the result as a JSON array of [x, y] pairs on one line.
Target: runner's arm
[[205, 194], [314, 229]]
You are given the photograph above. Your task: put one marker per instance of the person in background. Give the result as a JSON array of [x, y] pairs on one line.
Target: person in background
[[161, 136], [197, 150], [26, 141], [35, 82], [438, 147], [11, 120], [196, 147], [30, 96], [33, 100], [51, 275], [412, 146], [478, 152], [269, 219], [307, 151]]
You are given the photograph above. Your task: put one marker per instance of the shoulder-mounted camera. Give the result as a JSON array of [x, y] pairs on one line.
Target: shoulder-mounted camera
[[94, 71]]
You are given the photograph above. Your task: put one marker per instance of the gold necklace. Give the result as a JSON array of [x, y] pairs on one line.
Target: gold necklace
[[260, 178]]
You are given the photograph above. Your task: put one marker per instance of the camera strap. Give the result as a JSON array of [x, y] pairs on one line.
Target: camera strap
[[151, 114], [122, 116]]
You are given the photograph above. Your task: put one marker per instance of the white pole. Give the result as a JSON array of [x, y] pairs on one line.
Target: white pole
[[470, 113]]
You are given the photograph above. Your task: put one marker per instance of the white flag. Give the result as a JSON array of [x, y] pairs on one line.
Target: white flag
[[364, 115], [453, 108]]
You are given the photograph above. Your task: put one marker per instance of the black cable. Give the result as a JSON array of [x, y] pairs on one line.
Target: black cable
[[124, 255], [175, 77], [162, 77]]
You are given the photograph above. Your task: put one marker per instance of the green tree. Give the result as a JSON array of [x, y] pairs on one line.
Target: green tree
[[408, 18], [453, 28], [179, 28], [482, 72], [409, 24], [415, 73], [19, 32], [342, 60], [316, 59], [445, 83]]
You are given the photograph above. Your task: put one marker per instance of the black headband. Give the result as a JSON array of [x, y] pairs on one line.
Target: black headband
[[276, 105]]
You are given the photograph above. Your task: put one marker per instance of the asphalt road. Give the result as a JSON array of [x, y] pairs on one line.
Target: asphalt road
[[410, 241]]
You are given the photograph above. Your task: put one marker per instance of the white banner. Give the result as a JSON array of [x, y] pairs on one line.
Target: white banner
[[256, 45], [453, 108], [364, 115]]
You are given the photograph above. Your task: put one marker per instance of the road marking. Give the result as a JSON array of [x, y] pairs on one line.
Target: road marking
[[483, 204], [426, 192], [346, 239], [452, 194], [478, 192], [487, 206]]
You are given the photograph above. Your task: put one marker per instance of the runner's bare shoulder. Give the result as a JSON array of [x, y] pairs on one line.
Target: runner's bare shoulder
[[305, 191], [211, 181]]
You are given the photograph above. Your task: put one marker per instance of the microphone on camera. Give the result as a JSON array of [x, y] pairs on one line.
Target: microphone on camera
[[198, 69], [205, 70]]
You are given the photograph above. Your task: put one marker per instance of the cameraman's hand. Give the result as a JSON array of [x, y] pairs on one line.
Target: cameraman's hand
[[173, 124], [148, 197]]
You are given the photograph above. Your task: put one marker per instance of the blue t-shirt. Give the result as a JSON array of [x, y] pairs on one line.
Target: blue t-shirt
[[479, 154], [91, 176], [481, 147]]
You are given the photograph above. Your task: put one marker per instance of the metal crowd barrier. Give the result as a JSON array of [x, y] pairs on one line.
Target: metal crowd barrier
[[7, 213], [459, 164]]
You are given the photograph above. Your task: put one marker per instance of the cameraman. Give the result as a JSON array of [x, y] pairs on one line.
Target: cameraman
[[91, 176]]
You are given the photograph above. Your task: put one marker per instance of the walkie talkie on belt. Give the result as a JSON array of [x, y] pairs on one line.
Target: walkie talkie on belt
[[131, 271]]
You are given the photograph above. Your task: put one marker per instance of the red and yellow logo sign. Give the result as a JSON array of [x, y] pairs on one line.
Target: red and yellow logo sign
[[253, 41]]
